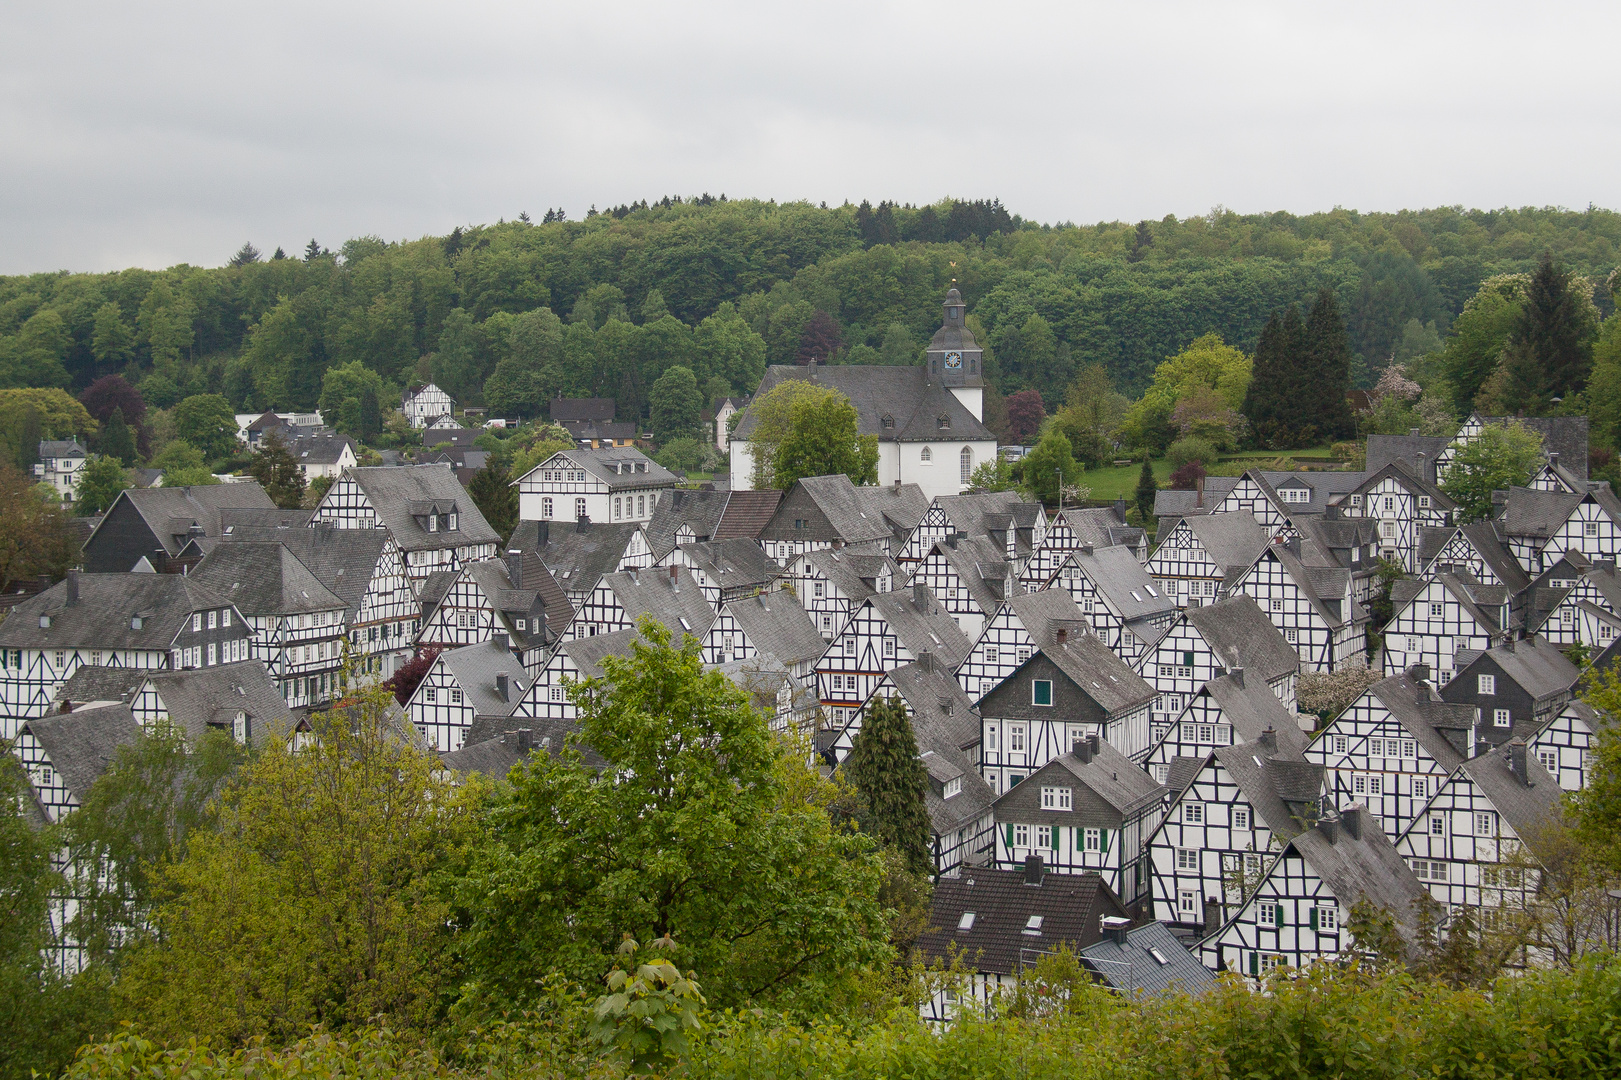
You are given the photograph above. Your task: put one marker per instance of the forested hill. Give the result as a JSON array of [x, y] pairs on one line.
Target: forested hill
[[725, 287]]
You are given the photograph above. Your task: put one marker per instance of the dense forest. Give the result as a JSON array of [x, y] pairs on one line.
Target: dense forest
[[606, 304]]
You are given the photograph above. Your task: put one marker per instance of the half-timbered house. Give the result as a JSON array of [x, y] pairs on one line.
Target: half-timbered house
[[787, 702], [726, 570], [1402, 505], [1201, 556], [1518, 687], [143, 621], [483, 599], [1436, 620], [695, 517], [1021, 625], [1000, 516], [1113, 590], [1564, 745], [1088, 809], [1066, 691], [670, 595], [238, 699], [425, 405], [1298, 910], [578, 555], [821, 512], [424, 508], [547, 699], [1100, 526], [1583, 604], [1543, 525], [832, 583], [1311, 605], [613, 484], [999, 922], [297, 623], [887, 631], [1564, 438], [1393, 747], [153, 524], [1332, 540], [1228, 814], [768, 623], [1478, 548], [970, 576], [1230, 710], [1474, 845], [1205, 642], [463, 686]]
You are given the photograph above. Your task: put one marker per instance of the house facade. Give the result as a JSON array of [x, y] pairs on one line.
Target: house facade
[[609, 485], [427, 513], [425, 405]]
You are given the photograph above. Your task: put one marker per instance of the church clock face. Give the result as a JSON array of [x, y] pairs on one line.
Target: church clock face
[[953, 361]]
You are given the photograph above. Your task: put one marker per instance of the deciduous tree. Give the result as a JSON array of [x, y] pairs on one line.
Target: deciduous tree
[[677, 406], [1501, 456], [100, 481], [207, 422]]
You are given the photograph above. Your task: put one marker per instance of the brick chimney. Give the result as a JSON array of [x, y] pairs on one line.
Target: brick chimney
[[1515, 752], [501, 686], [1033, 870], [1268, 742], [73, 588], [515, 568], [1351, 821]]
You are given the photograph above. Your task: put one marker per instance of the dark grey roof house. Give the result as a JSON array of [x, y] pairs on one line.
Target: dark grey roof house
[[155, 523]]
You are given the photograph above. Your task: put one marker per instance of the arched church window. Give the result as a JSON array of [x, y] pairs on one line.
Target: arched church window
[[967, 460], [926, 456]]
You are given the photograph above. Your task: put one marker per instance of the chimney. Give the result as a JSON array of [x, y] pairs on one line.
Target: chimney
[[1508, 643], [1032, 870], [1198, 493], [1237, 675], [1516, 761], [673, 570], [1083, 751], [1212, 913], [1351, 821], [1086, 548], [1412, 432], [1268, 741], [501, 686], [1115, 928], [526, 739], [1329, 827], [583, 523], [925, 660], [1553, 459], [1062, 635], [500, 639], [543, 532], [1120, 509], [1093, 744], [515, 568], [73, 588], [160, 559], [920, 597], [1419, 673]]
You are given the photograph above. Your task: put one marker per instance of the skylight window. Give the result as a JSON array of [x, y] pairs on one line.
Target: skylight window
[[1032, 925], [966, 922], [1157, 955], [685, 625], [1151, 591], [1135, 596]]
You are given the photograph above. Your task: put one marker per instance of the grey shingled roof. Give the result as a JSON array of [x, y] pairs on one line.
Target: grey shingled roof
[[1071, 906], [201, 697], [1099, 673], [969, 513], [1118, 575], [170, 511], [922, 625], [673, 598], [855, 573], [102, 617], [495, 744], [1238, 625], [1362, 868], [942, 714], [263, 579], [1043, 613], [982, 567], [1234, 539], [475, 667], [738, 563], [393, 491], [81, 745], [945, 763], [1412, 482], [587, 652], [846, 512], [1494, 553], [1151, 961], [1566, 436], [494, 579], [775, 623], [1182, 772], [60, 448], [699, 510], [1539, 668], [1320, 584], [577, 555], [1327, 488], [1415, 453], [1529, 808], [343, 560], [1110, 775], [1252, 709], [1532, 513], [618, 467], [1427, 718], [578, 409], [902, 393], [1270, 782], [323, 449], [98, 682]]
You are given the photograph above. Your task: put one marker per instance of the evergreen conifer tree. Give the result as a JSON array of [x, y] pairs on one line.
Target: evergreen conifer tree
[[885, 769], [370, 424], [496, 498], [117, 441], [1324, 372], [1266, 405], [1147, 488], [1550, 351], [277, 471]]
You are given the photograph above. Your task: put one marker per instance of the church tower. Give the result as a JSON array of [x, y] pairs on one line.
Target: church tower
[[955, 360]]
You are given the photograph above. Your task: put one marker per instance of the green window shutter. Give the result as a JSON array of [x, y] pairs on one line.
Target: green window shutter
[[1078, 831], [1056, 831], [1010, 836], [1314, 918], [1104, 840], [1187, 659], [1255, 963]]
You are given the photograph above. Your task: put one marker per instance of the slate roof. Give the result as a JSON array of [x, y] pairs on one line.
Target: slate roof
[[699, 510], [99, 682], [1110, 775], [1233, 540], [263, 578], [171, 511], [1043, 613], [392, 491], [81, 745], [982, 568], [494, 579], [532, 574], [617, 466], [1152, 960], [900, 506], [738, 563], [343, 560], [1495, 554], [977, 515], [1444, 730], [323, 449], [60, 448], [942, 714], [974, 797], [1271, 782], [1538, 514], [475, 667], [1482, 602], [1364, 867], [212, 696], [855, 573], [746, 514], [1182, 772], [107, 604], [495, 744], [670, 595], [1252, 709], [1409, 480], [1117, 574], [1071, 906], [1414, 453], [902, 393], [922, 625], [1537, 667], [1528, 808], [587, 652], [1327, 488], [1101, 674], [575, 409], [1566, 436], [578, 555], [1322, 585], [846, 512], [775, 623], [1238, 625]]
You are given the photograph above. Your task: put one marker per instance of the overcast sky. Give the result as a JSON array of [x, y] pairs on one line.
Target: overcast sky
[[154, 133]]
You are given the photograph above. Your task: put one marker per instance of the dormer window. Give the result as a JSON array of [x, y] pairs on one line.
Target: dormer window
[[942, 421], [433, 522], [888, 421], [452, 525]]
